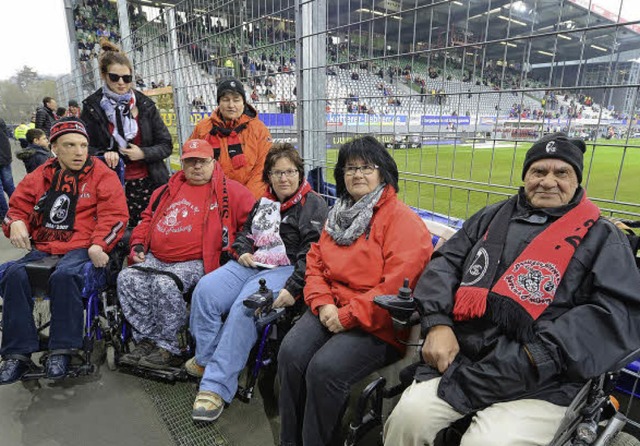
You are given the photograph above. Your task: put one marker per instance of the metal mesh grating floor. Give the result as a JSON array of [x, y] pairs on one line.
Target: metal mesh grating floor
[[174, 403]]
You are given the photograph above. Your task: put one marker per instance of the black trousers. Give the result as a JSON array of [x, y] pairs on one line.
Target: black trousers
[[316, 370]]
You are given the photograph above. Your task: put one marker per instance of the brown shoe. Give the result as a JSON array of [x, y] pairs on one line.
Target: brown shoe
[[143, 348], [160, 359], [193, 368]]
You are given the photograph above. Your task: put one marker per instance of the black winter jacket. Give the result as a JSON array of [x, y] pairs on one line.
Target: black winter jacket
[[300, 226], [45, 119], [5, 145], [33, 156], [156, 140], [591, 325]]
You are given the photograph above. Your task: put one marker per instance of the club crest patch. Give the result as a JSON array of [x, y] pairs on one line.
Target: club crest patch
[[551, 147], [534, 281], [478, 267], [60, 210]]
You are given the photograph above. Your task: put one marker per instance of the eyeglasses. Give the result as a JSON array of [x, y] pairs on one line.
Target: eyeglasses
[[192, 162], [367, 169], [287, 173], [113, 77]]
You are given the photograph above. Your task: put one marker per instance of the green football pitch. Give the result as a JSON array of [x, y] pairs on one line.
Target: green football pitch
[[458, 180]]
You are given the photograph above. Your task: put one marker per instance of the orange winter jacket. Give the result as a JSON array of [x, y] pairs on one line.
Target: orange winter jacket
[[396, 245], [255, 140]]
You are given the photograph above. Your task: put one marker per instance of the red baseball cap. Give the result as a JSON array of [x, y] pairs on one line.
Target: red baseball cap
[[197, 148]]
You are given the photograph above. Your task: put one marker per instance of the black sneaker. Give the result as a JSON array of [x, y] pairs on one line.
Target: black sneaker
[[161, 359], [142, 349]]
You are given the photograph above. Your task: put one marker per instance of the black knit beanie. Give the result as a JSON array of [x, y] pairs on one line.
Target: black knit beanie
[[231, 84], [557, 145]]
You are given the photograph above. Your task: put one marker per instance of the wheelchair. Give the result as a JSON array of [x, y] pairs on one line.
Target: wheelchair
[[593, 418]]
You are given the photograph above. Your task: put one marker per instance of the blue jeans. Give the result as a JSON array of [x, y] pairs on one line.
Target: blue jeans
[[19, 334], [6, 186], [224, 348]]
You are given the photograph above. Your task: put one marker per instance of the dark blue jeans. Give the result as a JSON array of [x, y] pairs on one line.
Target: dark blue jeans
[[19, 335], [6, 186], [316, 370]]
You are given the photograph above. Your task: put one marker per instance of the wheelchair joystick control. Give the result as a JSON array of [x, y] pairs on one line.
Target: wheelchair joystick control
[[400, 306], [261, 299]]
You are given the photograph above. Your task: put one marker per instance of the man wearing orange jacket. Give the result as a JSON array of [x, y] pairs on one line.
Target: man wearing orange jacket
[[239, 139], [72, 206]]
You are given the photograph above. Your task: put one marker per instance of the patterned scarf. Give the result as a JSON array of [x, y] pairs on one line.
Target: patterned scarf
[[265, 232], [528, 286], [55, 211], [118, 110], [348, 220], [234, 144]]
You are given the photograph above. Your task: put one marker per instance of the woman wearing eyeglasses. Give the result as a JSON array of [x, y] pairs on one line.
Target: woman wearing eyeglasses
[[122, 122], [273, 245], [371, 242]]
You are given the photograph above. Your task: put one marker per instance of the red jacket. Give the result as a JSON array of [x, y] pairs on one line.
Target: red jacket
[[101, 212], [241, 202], [398, 245], [255, 140]]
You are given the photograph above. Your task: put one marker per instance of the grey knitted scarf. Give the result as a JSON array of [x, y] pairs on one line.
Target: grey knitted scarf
[[348, 220]]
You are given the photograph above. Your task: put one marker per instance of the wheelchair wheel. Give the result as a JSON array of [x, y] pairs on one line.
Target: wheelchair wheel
[[112, 360], [623, 439]]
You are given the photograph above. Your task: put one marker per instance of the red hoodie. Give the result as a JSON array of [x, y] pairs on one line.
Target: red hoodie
[[101, 212]]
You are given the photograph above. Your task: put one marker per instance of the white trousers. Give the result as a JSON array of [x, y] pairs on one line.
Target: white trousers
[[421, 414]]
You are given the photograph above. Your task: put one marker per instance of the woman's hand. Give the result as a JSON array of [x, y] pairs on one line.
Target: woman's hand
[[138, 257], [328, 315], [111, 158], [285, 299], [246, 259], [440, 348], [133, 152]]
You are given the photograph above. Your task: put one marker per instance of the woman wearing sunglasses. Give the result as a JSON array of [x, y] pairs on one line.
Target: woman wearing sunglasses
[[124, 123]]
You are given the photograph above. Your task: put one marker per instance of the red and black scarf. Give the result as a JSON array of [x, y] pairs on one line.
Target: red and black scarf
[[529, 284], [296, 198], [55, 211], [234, 144], [222, 199]]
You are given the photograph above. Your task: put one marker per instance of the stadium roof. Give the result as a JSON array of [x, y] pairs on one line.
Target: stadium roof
[[556, 25]]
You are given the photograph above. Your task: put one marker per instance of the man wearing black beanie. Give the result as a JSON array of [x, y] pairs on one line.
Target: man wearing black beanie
[[504, 304]]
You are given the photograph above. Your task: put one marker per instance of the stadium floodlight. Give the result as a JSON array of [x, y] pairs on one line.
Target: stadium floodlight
[[565, 37], [518, 22], [485, 13], [509, 44], [546, 53], [596, 47], [456, 2]]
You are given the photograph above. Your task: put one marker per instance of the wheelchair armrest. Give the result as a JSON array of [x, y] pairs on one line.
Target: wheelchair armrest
[[39, 272], [266, 318]]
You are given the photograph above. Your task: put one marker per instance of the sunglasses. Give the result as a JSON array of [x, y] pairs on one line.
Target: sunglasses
[[127, 78]]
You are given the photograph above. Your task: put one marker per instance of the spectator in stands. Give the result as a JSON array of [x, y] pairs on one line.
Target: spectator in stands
[[503, 304], [122, 122], [86, 229], [74, 109], [45, 116], [183, 234], [6, 177], [20, 134], [278, 233], [240, 140], [370, 243], [61, 112], [37, 151]]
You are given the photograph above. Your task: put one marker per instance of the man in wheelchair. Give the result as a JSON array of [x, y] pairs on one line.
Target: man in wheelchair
[[529, 300], [74, 207]]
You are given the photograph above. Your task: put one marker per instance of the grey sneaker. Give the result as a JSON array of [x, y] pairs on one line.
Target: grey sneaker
[[160, 359], [143, 348], [193, 368], [207, 407]]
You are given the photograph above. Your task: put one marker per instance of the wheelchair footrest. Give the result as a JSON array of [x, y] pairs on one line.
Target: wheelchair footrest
[[169, 374]]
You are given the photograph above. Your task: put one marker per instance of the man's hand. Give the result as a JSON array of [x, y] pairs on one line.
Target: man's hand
[[111, 158], [19, 235], [440, 348], [98, 257], [138, 257], [328, 315], [285, 299], [246, 259], [133, 152]]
